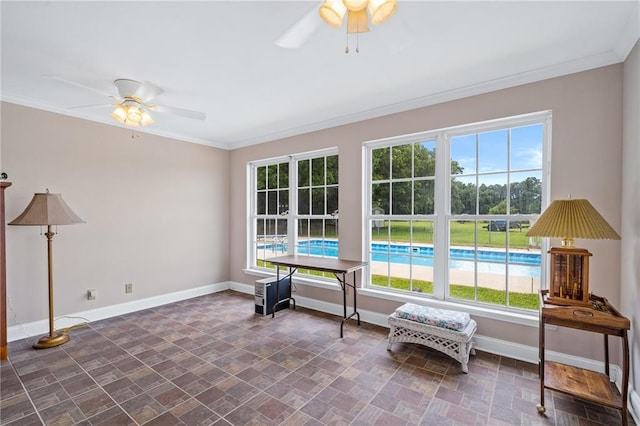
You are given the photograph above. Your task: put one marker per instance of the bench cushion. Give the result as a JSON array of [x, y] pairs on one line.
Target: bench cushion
[[453, 320]]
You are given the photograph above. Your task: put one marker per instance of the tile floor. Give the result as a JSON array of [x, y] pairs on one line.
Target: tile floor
[[211, 361]]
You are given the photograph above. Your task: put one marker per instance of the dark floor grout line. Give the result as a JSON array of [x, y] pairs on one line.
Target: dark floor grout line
[[27, 393], [99, 385], [205, 361]]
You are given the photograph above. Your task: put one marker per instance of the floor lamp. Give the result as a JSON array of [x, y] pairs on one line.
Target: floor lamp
[[48, 209]]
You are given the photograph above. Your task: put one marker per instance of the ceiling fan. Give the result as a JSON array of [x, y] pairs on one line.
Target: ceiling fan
[[132, 103], [332, 12]]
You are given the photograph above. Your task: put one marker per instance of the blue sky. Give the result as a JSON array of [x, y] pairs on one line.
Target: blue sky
[[526, 154]]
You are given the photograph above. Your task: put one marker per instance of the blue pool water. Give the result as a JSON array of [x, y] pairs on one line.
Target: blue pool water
[[522, 264]]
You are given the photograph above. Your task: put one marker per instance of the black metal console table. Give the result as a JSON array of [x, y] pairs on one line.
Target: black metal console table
[[340, 268]]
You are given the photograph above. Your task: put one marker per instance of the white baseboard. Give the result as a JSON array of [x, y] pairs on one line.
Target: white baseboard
[[37, 328], [483, 343]]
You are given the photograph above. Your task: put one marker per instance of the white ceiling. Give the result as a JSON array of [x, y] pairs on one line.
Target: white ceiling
[[220, 58]]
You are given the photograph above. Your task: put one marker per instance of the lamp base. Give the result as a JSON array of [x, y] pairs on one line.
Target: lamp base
[[51, 341]]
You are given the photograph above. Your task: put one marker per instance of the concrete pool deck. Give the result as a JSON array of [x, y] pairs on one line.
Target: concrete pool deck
[[517, 283]]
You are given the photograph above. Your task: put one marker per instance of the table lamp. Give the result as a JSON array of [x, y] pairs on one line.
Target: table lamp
[[569, 219], [48, 209]]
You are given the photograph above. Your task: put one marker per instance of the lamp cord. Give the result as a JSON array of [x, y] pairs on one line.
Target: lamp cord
[[14, 316], [73, 327]]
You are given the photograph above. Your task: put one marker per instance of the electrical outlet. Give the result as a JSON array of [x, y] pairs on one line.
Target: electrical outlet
[[91, 294], [128, 288]]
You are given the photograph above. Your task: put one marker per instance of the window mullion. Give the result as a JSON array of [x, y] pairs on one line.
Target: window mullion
[[441, 237], [368, 212], [252, 216], [292, 217]]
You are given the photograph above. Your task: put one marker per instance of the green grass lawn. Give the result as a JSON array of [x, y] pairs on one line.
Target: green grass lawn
[[462, 234], [464, 292]]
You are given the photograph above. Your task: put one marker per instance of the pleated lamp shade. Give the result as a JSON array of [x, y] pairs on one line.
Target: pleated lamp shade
[[569, 219], [47, 209]]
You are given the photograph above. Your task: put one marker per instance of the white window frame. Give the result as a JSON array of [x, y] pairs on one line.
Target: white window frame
[[442, 215], [291, 215]]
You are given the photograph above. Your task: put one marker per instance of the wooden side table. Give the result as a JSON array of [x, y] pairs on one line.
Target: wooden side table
[[597, 317]]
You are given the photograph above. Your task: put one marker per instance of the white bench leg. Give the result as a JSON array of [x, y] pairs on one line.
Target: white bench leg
[[391, 334]]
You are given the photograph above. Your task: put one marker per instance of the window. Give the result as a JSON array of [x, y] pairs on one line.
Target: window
[[294, 207], [447, 212]]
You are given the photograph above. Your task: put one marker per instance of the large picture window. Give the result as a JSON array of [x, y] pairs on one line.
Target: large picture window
[[447, 212], [294, 207]]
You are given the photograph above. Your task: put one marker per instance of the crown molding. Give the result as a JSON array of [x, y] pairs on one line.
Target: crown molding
[[558, 70], [627, 41], [630, 35]]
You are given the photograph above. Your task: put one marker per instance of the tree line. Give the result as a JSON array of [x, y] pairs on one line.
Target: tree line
[[410, 161], [417, 162]]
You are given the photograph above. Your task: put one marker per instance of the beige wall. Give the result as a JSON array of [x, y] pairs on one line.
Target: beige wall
[[156, 213], [586, 154], [630, 270], [158, 210]]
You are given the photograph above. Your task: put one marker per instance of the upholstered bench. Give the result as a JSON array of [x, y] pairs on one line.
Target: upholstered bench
[[449, 332]]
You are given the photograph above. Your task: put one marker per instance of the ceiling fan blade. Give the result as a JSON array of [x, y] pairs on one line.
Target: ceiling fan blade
[[147, 91], [79, 85], [196, 115], [300, 32], [126, 88], [90, 106]]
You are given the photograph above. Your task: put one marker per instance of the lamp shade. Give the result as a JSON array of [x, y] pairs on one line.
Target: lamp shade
[[119, 114], [332, 12], [381, 10], [355, 5], [146, 118], [47, 209], [569, 219], [134, 114]]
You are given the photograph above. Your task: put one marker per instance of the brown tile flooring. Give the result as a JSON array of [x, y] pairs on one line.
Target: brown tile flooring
[[211, 361]]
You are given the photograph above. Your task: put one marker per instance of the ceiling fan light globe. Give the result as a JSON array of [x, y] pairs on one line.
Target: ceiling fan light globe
[[381, 10], [355, 5], [332, 12], [134, 114], [146, 118], [119, 114]]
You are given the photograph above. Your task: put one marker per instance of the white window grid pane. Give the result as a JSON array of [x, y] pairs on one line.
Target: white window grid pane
[[282, 223], [442, 215]]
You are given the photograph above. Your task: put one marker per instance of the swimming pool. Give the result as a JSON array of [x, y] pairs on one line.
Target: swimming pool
[[490, 261]]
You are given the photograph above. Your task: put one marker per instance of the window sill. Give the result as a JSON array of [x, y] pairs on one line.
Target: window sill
[[530, 320], [297, 279]]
